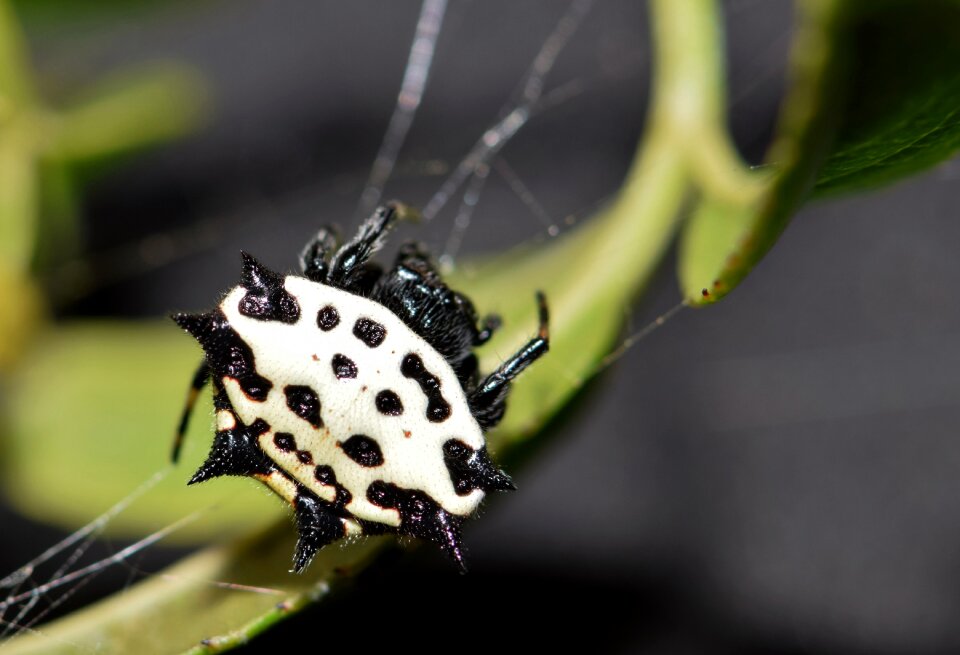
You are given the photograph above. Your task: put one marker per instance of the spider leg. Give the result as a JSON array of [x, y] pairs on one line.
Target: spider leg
[[491, 323], [199, 380], [488, 400], [348, 268], [313, 259]]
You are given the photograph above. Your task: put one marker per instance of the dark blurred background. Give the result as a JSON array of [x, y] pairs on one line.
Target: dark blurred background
[[776, 473]]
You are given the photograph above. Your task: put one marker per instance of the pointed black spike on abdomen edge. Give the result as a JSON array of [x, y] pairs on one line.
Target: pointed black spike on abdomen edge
[[489, 476], [254, 276], [234, 453], [421, 517], [198, 325], [497, 480], [266, 298], [450, 541], [473, 469], [316, 527]]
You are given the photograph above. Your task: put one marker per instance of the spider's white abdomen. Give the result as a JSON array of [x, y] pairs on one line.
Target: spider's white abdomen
[[304, 354], [354, 394]]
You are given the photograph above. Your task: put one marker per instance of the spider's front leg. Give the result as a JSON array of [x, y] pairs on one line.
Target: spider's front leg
[[488, 400], [349, 269], [313, 259]]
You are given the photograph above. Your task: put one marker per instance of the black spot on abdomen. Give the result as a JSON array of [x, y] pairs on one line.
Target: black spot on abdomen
[[438, 409], [369, 332], [328, 318], [343, 367], [284, 441], [304, 402], [389, 403], [363, 450], [324, 475]]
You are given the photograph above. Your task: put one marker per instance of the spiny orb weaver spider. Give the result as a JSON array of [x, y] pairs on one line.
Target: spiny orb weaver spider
[[354, 394]]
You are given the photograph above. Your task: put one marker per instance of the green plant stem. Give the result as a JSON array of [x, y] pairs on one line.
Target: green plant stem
[[690, 97], [18, 192], [128, 111], [15, 87]]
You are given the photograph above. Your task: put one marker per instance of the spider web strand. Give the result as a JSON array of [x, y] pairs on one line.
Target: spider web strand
[[532, 83], [93, 526], [102, 564], [415, 78]]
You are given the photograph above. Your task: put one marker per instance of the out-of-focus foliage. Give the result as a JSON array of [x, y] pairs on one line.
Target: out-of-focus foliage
[[841, 128], [42, 148], [70, 12], [874, 97]]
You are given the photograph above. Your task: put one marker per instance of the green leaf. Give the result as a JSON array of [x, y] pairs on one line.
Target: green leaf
[[724, 240], [874, 96], [93, 416], [129, 110], [589, 277], [17, 328], [18, 203], [16, 89], [208, 603], [902, 110]]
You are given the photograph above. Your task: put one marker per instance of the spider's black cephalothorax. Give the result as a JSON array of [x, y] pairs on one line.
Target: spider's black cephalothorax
[[391, 352]]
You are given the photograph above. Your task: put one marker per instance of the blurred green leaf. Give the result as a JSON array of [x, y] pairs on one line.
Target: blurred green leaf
[[18, 203], [588, 275], [904, 115], [129, 110], [18, 327], [235, 591], [874, 96], [41, 150], [93, 416], [16, 89]]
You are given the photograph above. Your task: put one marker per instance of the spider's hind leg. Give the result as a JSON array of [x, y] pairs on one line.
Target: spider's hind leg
[[200, 378], [488, 400]]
